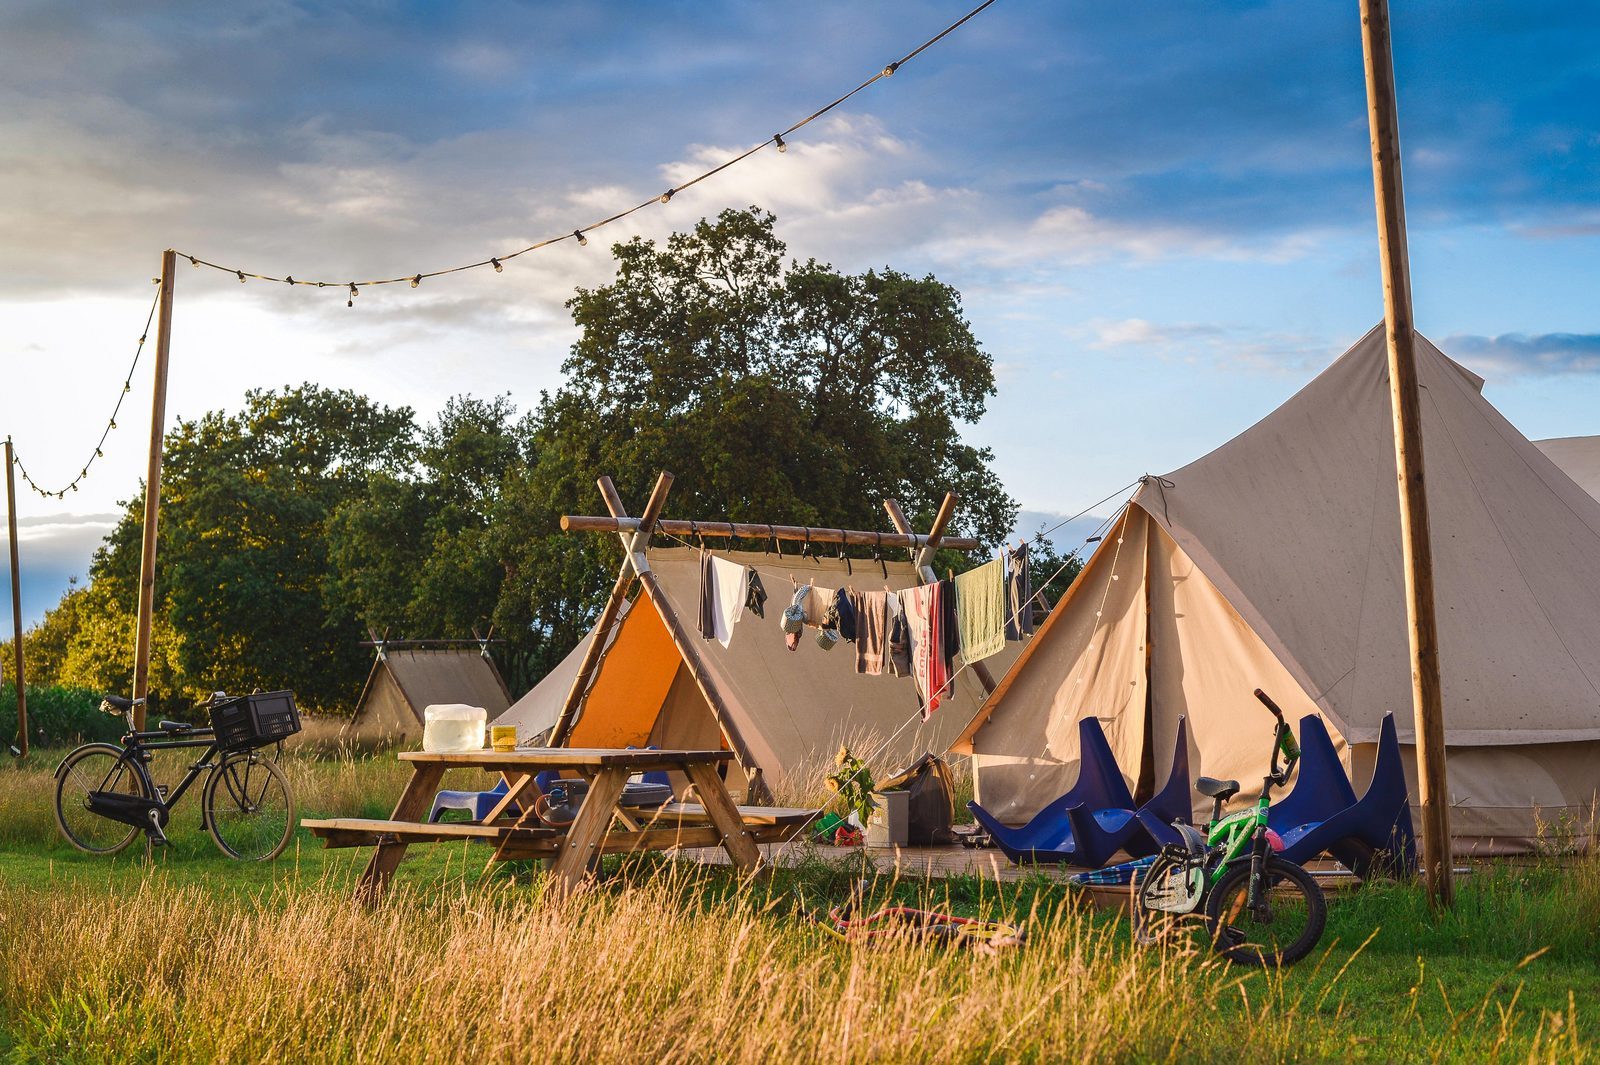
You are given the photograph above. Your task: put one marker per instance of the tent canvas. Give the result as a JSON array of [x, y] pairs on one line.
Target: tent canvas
[[1578, 457], [1274, 562], [405, 682], [792, 709], [534, 715]]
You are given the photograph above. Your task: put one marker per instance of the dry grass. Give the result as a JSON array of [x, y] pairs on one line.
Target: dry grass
[[188, 959]]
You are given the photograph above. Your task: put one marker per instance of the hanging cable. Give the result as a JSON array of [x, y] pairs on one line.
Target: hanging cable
[[777, 140], [111, 423]]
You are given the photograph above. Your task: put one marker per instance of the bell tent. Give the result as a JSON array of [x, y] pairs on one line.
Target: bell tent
[[1275, 562], [1578, 457]]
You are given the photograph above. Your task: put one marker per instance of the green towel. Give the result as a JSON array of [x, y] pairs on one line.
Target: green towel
[[981, 610]]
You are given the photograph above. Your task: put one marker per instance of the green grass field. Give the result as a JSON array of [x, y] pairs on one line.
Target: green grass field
[[190, 956]]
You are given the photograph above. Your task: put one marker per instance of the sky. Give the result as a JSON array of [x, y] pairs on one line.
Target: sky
[[1159, 215]]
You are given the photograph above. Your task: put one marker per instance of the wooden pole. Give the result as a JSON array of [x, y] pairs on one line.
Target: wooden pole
[[925, 561], [608, 618], [16, 604], [152, 489], [755, 531], [1415, 539]]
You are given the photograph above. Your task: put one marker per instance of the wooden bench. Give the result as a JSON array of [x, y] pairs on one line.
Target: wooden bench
[[752, 816], [372, 832]]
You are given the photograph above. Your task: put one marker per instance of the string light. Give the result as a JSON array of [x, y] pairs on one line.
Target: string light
[[111, 422], [777, 140]]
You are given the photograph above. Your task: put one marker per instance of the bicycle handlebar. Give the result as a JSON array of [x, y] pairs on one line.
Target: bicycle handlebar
[[1266, 701]]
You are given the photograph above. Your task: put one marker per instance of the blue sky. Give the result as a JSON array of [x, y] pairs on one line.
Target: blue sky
[[1160, 215]]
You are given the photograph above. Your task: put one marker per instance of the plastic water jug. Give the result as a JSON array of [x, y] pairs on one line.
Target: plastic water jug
[[453, 727]]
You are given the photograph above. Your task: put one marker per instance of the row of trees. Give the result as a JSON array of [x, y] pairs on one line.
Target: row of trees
[[775, 390]]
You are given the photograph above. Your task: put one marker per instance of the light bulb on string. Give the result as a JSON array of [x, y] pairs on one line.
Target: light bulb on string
[[666, 197], [194, 262], [241, 276], [290, 279], [889, 70], [777, 138], [498, 268], [415, 281], [583, 241], [351, 301]]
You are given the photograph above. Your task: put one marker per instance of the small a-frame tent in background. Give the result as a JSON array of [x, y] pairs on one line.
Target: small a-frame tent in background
[[1578, 457], [1274, 562], [783, 713], [408, 676]]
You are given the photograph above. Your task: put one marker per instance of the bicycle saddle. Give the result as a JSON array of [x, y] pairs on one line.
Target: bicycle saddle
[[121, 703], [174, 726], [1217, 789]]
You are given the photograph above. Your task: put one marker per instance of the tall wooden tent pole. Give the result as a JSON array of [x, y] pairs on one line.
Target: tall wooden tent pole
[[16, 604], [1416, 541], [152, 488]]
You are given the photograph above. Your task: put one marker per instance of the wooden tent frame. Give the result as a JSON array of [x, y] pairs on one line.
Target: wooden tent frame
[[635, 535]]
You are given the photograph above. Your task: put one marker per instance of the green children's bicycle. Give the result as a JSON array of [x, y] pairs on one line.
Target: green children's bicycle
[[1257, 908]]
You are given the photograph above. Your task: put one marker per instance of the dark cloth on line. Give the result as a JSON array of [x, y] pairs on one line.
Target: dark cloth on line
[[1019, 594], [847, 615], [949, 629], [756, 598], [708, 599], [897, 659]]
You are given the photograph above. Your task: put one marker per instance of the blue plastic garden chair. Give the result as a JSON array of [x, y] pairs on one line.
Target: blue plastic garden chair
[[1322, 813], [1174, 802], [477, 804], [1083, 827]]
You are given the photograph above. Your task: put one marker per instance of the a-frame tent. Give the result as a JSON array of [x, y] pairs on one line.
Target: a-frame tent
[[1578, 457], [1274, 562], [404, 682], [787, 712]]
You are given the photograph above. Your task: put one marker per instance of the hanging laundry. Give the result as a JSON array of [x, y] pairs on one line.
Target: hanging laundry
[[707, 623], [897, 656], [794, 617], [1019, 593], [847, 615], [949, 626], [817, 606], [729, 584], [756, 598], [872, 630], [980, 611], [925, 622]]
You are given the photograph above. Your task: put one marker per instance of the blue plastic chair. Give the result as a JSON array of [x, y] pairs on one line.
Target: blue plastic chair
[[477, 804], [1174, 802], [1083, 827], [1322, 812]]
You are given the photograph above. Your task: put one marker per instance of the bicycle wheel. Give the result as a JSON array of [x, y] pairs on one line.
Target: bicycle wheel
[[95, 767], [1283, 931], [249, 808]]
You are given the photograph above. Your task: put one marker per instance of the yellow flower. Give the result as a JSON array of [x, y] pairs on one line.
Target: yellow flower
[[842, 757]]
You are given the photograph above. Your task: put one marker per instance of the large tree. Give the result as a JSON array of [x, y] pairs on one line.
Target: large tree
[[774, 390]]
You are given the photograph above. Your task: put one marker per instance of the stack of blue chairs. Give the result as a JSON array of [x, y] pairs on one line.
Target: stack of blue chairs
[[1097, 818], [1369, 835]]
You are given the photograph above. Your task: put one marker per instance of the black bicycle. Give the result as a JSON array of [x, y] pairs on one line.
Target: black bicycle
[[105, 795]]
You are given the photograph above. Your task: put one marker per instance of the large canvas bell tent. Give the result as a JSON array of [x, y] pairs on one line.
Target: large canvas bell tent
[[788, 711], [1275, 562], [1578, 457]]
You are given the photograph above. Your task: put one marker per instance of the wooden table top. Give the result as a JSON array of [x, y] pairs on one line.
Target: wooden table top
[[559, 757]]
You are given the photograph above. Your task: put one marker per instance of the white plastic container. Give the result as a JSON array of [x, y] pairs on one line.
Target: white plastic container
[[453, 727]]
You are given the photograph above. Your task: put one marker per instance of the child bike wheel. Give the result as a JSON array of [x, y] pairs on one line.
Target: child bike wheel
[[1285, 930], [249, 808]]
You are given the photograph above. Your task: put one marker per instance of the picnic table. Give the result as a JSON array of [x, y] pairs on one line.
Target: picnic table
[[712, 821]]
